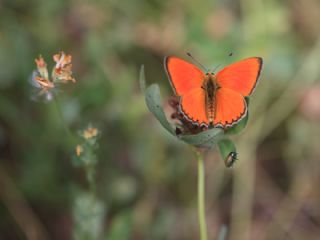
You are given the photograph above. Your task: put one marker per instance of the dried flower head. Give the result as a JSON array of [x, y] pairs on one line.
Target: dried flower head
[[90, 132], [45, 84], [62, 71], [41, 82], [42, 67]]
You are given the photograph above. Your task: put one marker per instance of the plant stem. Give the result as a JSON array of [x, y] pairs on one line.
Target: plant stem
[[90, 173], [201, 197], [63, 122]]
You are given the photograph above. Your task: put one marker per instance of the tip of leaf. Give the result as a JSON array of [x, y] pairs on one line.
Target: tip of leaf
[[142, 79], [154, 104]]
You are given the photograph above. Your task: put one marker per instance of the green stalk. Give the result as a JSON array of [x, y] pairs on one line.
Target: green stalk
[[201, 197], [90, 174], [60, 115]]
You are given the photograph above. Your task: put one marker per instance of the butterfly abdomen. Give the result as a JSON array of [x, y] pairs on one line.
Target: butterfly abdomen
[[210, 88]]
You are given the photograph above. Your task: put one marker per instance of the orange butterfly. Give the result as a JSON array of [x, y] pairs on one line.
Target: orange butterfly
[[209, 99]]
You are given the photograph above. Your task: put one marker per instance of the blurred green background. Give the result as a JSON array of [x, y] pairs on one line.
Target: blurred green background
[[146, 179]]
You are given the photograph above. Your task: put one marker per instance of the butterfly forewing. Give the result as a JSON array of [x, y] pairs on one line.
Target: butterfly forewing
[[183, 76], [241, 76]]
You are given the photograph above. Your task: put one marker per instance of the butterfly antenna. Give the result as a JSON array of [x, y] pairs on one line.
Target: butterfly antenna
[[229, 55], [196, 61]]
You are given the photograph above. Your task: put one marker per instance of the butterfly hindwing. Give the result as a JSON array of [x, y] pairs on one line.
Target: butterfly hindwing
[[241, 76], [192, 105], [230, 107], [183, 75]]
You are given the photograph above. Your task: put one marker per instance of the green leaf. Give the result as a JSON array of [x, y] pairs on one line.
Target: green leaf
[[203, 139], [238, 128], [154, 104], [142, 79], [226, 147]]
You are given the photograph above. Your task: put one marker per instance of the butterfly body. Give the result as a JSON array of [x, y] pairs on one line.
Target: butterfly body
[[210, 87], [209, 99]]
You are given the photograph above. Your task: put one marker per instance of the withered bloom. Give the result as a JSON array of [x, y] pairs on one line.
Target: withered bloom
[[90, 132], [62, 71], [40, 80]]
